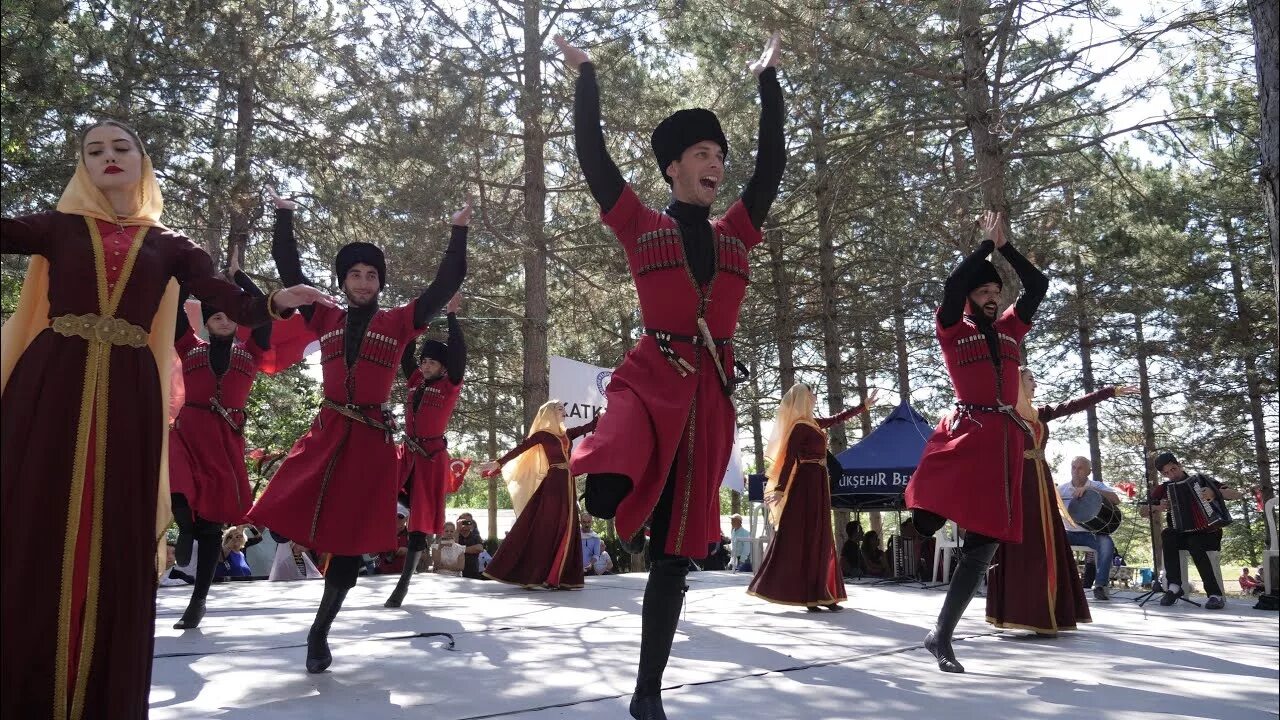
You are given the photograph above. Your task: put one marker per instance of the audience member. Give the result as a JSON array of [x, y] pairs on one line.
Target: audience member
[[172, 575], [718, 556], [448, 556], [392, 562], [232, 563], [595, 559], [1249, 585], [851, 553], [741, 539], [874, 562], [473, 547], [293, 562]]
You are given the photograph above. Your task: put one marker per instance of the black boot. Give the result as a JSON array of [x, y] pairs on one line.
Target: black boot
[[318, 655], [402, 587], [663, 599], [969, 573], [207, 551], [185, 521]]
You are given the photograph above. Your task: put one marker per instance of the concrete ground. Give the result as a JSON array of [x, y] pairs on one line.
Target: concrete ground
[[539, 655]]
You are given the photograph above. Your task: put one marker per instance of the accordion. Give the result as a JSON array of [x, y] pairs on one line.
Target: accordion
[[1189, 512]]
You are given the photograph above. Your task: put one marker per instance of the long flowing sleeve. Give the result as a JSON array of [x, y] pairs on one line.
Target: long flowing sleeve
[[576, 432], [827, 422], [26, 235], [1084, 402], [193, 268], [261, 335], [456, 362], [529, 443], [183, 325], [771, 151], [453, 269], [602, 174], [284, 250], [954, 293], [1034, 283]]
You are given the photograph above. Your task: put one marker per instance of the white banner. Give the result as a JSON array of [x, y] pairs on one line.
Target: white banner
[[580, 387]]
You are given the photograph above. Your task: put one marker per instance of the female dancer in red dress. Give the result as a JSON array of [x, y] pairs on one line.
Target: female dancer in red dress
[[544, 547], [1034, 585], [86, 368], [801, 566]]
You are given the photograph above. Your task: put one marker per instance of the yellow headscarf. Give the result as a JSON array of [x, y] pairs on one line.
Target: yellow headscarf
[[31, 316], [795, 409], [525, 472]]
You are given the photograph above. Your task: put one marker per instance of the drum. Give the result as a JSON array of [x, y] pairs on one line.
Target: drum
[[1092, 512]]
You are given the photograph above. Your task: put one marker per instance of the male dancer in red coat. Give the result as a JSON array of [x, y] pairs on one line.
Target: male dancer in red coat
[[435, 383], [971, 470], [336, 490], [208, 481], [663, 446]]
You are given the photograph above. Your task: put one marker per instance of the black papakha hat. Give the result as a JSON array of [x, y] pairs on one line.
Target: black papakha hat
[[681, 131]]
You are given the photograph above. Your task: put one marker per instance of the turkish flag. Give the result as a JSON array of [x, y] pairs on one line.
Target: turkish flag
[[457, 472]]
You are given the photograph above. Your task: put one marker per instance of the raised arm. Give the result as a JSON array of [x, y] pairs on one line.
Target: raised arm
[[262, 334], [284, 248], [954, 294], [455, 363], [453, 269], [1084, 402], [529, 443], [408, 364], [183, 324], [602, 174], [771, 148], [844, 417], [1034, 282]]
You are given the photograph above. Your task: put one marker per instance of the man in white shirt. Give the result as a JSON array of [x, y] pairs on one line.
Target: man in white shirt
[[1104, 550], [741, 538], [595, 559]]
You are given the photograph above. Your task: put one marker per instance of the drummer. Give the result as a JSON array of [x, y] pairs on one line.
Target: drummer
[[1104, 550]]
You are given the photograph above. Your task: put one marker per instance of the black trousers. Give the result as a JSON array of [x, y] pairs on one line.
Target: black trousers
[[1198, 545]]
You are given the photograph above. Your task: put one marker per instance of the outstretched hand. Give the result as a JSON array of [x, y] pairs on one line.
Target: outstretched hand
[[873, 397], [573, 56], [299, 295], [279, 202], [992, 224], [233, 265], [1123, 390], [769, 57], [489, 469], [462, 218], [455, 304]]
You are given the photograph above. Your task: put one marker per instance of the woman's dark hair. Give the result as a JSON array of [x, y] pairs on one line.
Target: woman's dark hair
[[852, 528], [871, 540], [112, 123]]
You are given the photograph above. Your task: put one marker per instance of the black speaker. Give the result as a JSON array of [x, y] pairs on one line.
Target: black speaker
[[755, 488]]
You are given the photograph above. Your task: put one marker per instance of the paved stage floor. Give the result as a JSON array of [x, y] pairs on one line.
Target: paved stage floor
[[538, 655]]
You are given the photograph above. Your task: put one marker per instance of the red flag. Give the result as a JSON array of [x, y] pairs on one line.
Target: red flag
[[1257, 498], [1127, 488], [458, 470]]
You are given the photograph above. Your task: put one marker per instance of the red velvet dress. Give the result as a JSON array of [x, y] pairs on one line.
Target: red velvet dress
[[544, 546], [1034, 585], [336, 490], [801, 565], [80, 463], [657, 417], [971, 470], [206, 454], [429, 469]]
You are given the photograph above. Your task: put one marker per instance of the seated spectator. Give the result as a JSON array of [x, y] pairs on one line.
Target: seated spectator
[[447, 556], [851, 552], [473, 547], [874, 562], [717, 555], [391, 562], [172, 575], [233, 563], [1249, 585], [293, 562], [741, 538], [595, 560]]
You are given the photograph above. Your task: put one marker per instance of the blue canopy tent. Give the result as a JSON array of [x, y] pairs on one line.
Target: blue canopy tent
[[875, 471]]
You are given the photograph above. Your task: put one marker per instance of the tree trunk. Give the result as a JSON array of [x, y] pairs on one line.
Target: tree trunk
[[757, 432], [1148, 438], [860, 381], [241, 173], [1264, 15], [1245, 334], [534, 387], [1084, 331], [900, 346], [491, 364], [980, 114], [782, 309]]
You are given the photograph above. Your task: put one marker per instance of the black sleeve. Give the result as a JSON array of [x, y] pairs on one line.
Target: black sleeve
[[1034, 283], [453, 268], [456, 363], [262, 333], [407, 361], [603, 177], [284, 249], [953, 290], [771, 151], [182, 323]]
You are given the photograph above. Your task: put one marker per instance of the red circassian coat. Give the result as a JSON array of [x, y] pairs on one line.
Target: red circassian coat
[[336, 490], [80, 463], [544, 546], [206, 454], [656, 417], [801, 566], [1034, 584], [431, 476], [971, 470]]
